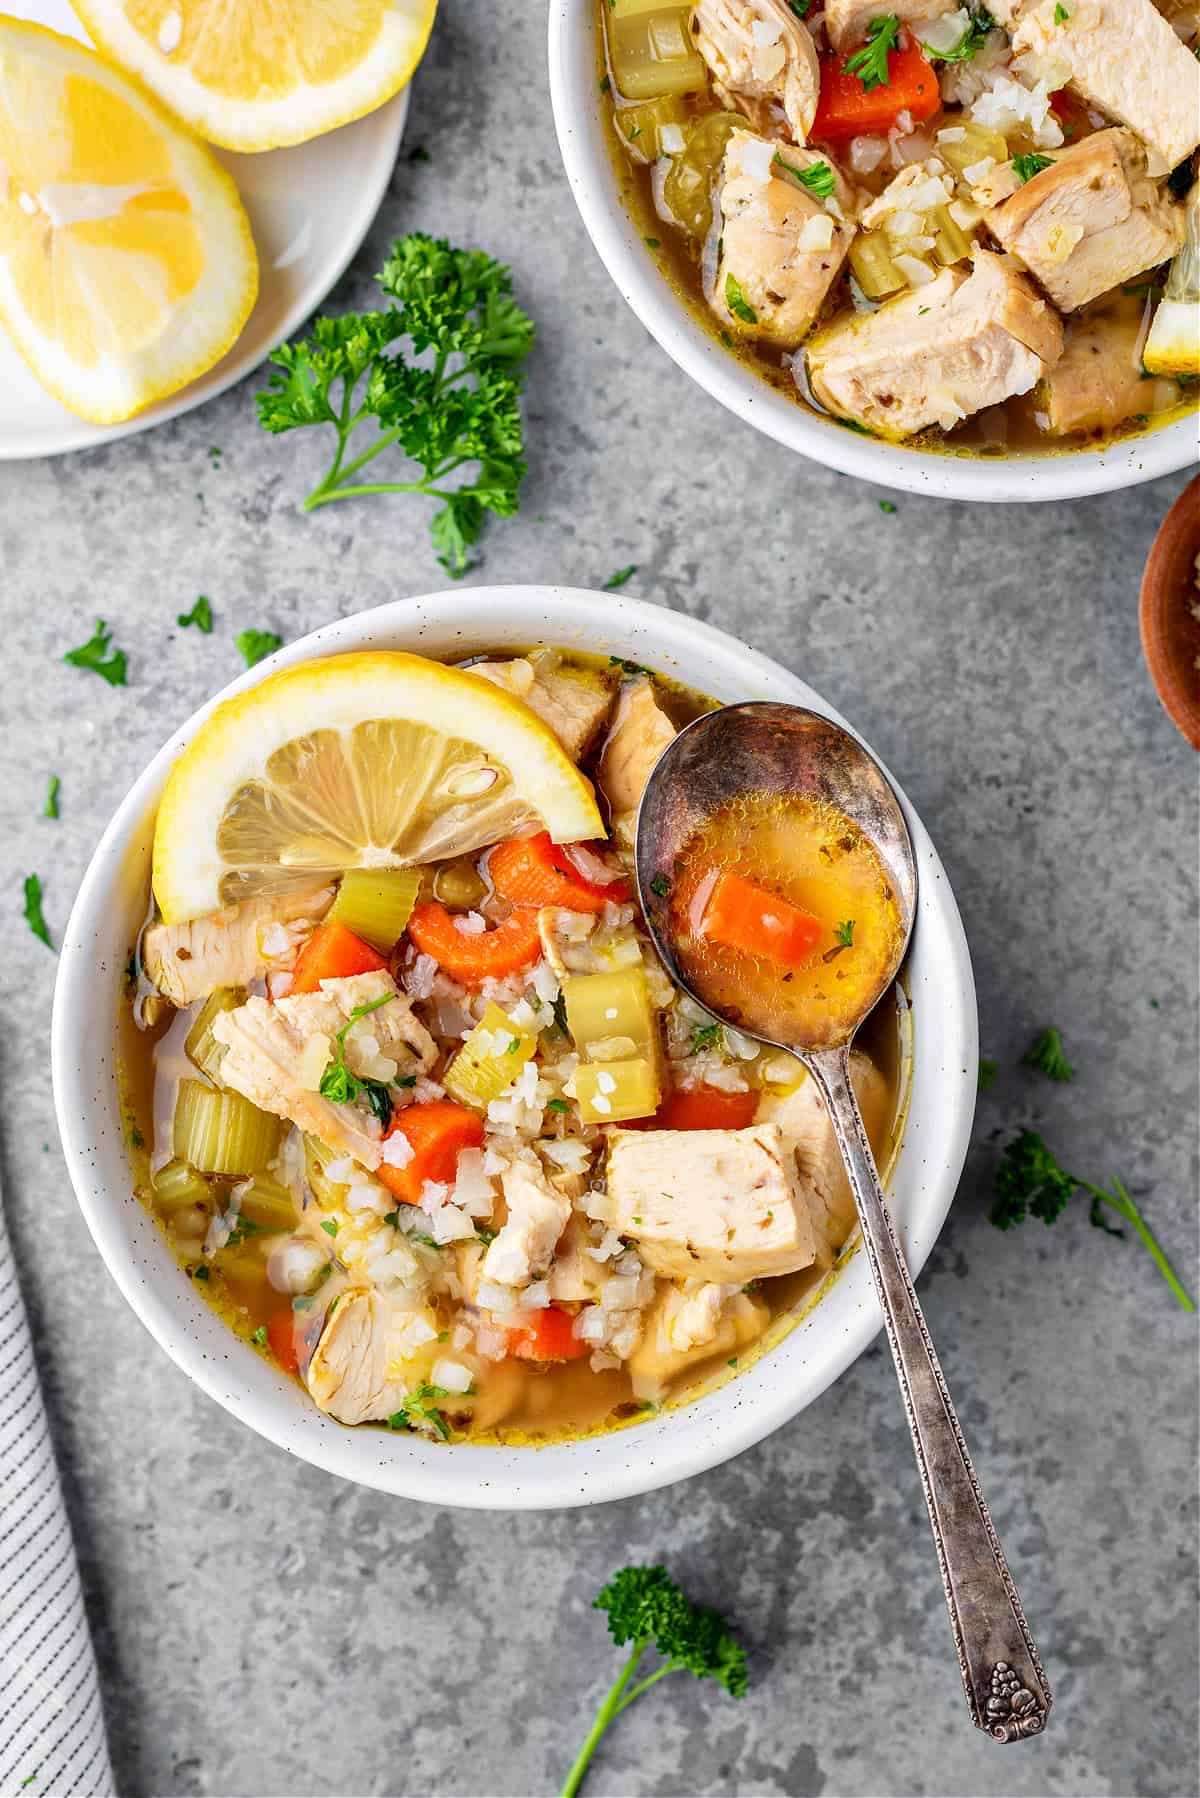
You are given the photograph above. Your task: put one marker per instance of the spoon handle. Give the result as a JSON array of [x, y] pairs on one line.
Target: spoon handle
[[1005, 1686]]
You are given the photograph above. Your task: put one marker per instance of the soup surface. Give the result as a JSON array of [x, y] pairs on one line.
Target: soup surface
[[444, 1140], [935, 225]]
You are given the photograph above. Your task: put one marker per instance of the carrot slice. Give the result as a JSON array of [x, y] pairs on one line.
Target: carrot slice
[[281, 1339], [705, 1108], [535, 871], [435, 1132], [749, 918], [846, 109], [486, 955], [332, 953], [547, 1335]]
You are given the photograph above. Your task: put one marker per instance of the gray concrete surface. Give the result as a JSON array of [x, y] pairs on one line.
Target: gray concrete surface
[[263, 1628]]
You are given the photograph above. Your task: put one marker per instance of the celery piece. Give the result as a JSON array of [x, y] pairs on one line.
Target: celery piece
[[177, 1184], [688, 186], [640, 127], [651, 52], [873, 267], [490, 1059], [951, 243], [609, 1091], [267, 1203], [601, 1006], [200, 1045], [976, 144], [222, 1133], [328, 1194], [376, 903]]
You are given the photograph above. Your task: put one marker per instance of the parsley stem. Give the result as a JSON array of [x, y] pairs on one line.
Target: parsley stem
[[604, 1716], [1125, 1206], [645, 1684]]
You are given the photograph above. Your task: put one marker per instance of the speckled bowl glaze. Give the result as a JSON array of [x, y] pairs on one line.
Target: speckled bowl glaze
[[670, 1445], [585, 154]]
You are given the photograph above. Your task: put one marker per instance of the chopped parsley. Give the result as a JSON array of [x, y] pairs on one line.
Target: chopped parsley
[[652, 243], [661, 885], [214, 456], [818, 179], [971, 40], [50, 809], [203, 1274], [888, 506], [98, 655], [1030, 1183], [560, 1013], [986, 1077], [870, 63], [34, 916], [557, 1105], [484, 1234], [799, 7], [626, 666], [620, 577], [341, 1086], [255, 645], [1061, 15], [845, 933], [329, 1227], [705, 1036], [260, 1336], [420, 1410], [1045, 1053], [1026, 167], [737, 302], [201, 615]]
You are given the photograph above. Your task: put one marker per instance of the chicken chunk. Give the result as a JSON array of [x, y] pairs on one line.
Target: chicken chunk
[[846, 21], [781, 251], [537, 1217], [233, 946], [722, 1205], [371, 1354], [1098, 380], [808, 1137], [966, 340], [682, 1328], [1091, 220], [1123, 57], [573, 705], [269, 1060], [763, 61], [639, 733]]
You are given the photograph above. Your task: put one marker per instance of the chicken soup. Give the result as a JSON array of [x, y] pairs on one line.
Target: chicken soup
[[421, 1113], [936, 225]]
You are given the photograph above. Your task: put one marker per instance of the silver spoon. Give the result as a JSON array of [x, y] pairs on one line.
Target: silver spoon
[[785, 750]]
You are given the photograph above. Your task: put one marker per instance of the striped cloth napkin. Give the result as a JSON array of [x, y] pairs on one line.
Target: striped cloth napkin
[[51, 1725]]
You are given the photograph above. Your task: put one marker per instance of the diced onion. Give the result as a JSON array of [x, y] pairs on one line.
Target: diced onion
[[817, 233], [915, 272]]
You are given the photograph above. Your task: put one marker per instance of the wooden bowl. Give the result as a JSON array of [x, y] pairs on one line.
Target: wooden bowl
[[1170, 613]]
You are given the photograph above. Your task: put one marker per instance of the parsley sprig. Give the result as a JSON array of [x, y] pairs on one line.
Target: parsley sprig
[[1030, 1183], [645, 1607], [342, 1086], [1047, 1056], [98, 656], [454, 404], [870, 63]]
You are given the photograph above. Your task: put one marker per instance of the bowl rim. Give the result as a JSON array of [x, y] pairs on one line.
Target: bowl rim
[[677, 1442], [1066, 474]]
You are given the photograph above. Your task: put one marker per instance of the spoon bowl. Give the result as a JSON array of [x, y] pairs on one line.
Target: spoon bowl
[[772, 751], [761, 754]]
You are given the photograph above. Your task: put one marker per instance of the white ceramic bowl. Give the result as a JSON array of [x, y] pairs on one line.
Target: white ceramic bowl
[[585, 153], [670, 1445]]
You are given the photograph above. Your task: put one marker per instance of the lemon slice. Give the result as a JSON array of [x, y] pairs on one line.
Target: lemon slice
[[373, 760], [126, 262], [255, 74]]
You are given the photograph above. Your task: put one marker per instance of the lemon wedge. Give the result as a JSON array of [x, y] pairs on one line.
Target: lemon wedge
[[255, 74], [126, 262], [370, 760]]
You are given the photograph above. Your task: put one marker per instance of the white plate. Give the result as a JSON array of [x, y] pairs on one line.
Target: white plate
[[310, 207]]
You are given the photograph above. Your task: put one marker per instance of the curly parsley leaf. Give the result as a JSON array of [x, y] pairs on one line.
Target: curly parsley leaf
[[98, 656], [1030, 1183], [255, 646], [201, 615], [1045, 1053], [34, 916], [343, 1087], [454, 405], [870, 63]]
